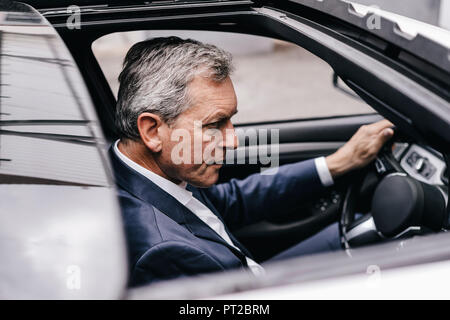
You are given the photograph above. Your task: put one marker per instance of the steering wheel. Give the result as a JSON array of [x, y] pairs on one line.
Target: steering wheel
[[401, 206]]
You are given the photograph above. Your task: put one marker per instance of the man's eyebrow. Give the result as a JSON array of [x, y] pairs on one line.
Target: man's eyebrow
[[219, 116]]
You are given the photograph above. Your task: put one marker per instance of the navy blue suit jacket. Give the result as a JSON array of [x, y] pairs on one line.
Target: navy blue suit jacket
[[166, 240]]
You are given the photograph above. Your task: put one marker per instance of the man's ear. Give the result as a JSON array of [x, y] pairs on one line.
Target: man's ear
[[148, 124]]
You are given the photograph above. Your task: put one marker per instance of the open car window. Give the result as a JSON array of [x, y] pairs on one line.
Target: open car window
[[274, 80]]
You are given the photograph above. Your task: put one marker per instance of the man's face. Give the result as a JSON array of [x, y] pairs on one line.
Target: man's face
[[200, 136]]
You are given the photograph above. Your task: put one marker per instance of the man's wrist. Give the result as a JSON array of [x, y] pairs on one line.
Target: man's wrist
[[338, 164]]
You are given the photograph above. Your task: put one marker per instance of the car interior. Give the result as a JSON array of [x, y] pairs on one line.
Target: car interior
[[402, 194]]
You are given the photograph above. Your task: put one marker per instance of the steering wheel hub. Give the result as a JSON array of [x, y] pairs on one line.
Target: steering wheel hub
[[401, 202]]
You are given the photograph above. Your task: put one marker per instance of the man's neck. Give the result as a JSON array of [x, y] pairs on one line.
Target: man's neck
[[139, 153]]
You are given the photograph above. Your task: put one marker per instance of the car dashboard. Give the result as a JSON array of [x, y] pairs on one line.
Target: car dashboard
[[423, 163]]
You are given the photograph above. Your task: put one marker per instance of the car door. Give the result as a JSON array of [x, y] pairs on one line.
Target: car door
[[58, 205]]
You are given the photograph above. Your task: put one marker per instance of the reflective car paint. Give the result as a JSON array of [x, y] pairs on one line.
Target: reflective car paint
[[61, 232]]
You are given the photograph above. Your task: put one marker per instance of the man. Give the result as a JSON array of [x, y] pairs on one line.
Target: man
[[177, 221]]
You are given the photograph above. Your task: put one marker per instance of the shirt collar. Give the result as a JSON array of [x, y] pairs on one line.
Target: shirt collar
[[178, 191]]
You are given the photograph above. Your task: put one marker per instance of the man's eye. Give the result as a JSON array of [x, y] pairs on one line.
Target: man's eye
[[216, 124]]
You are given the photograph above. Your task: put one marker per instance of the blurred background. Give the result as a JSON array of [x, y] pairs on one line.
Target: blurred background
[[274, 80]]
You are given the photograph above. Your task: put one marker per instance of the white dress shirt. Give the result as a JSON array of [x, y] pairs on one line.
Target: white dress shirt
[[186, 198], [323, 172]]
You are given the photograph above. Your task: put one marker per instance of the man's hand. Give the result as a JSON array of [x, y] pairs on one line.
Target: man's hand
[[361, 149]]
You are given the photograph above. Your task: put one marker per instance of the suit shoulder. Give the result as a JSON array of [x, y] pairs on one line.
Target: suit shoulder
[[140, 223], [145, 225]]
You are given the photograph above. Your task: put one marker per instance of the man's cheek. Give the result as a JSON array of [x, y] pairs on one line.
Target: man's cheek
[[213, 152], [181, 152]]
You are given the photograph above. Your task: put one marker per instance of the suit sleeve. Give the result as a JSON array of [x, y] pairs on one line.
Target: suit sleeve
[[172, 259], [242, 202]]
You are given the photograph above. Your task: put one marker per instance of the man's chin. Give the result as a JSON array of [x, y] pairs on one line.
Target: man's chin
[[206, 181]]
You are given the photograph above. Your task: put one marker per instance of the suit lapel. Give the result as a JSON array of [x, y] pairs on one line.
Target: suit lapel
[[204, 199], [202, 230], [144, 189]]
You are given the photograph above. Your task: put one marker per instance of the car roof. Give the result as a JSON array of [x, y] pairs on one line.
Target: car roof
[[426, 41]]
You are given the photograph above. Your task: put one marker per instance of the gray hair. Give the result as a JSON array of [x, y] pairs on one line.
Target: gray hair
[[155, 78]]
